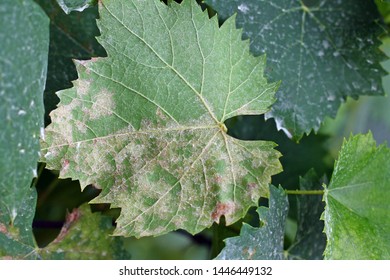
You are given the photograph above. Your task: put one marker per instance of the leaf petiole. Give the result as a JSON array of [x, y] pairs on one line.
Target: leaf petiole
[[305, 192]]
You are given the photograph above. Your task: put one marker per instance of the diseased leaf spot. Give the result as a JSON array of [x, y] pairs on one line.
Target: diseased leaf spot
[[222, 209], [218, 180], [65, 165], [3, 228], [248, 252]]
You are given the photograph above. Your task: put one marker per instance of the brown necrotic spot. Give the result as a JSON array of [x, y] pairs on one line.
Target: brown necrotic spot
[[65, 165], [222, 209], [3, 229], [218, 179], [251, 185]]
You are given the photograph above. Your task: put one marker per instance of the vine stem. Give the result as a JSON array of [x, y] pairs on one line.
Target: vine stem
[[302, 192]]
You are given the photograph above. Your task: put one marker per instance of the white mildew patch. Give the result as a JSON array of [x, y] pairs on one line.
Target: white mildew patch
[[103, 105], [63, 115], [81, 126], [83, 86]]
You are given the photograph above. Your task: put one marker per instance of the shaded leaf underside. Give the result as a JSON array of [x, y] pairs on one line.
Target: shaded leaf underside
[[146, 125]]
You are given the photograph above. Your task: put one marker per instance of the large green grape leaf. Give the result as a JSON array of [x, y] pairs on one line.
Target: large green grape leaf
[[24, 37], [357, 199], [146, 124], [322, 51], [266, 242], [85, 236]]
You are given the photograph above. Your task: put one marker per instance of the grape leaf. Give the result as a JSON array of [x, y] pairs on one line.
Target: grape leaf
[[24, 37], [266, 242], [357, 199], [85, 236], [146, 124], [322, 51], [310, 240]]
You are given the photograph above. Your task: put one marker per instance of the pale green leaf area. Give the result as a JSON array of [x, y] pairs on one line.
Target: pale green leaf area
[[24, 37], [323, 51], [69, 6], [85, 236], [357, 199], [146, 124], [265, 242]]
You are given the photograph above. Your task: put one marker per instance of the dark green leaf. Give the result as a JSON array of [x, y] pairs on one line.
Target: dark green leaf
[[322, 51], [24, 37]]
